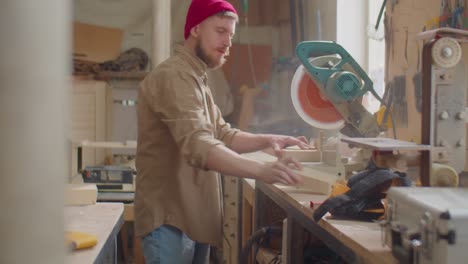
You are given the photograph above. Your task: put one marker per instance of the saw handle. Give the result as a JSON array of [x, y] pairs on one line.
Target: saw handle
[[308, 49]]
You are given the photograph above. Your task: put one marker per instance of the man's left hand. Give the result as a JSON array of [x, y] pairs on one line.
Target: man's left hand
[[278, 142]]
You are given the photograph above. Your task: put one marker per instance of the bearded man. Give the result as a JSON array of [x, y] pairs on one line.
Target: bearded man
[[183, 142]]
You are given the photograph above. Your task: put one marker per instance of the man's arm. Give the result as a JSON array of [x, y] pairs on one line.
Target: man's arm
[[228, 162], [244, 142]]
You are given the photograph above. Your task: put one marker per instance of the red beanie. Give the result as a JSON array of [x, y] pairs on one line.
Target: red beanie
[[199, 10]]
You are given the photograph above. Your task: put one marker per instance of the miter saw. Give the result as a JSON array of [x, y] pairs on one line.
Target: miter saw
[[327, 90]]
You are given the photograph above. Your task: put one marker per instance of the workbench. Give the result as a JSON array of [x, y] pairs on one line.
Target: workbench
[[354, 241], [103, 220], [129, 218]]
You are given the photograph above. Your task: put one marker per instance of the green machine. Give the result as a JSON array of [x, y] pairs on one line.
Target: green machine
[[328, 87]]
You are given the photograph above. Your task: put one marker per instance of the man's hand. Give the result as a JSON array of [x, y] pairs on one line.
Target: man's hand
[[281, 172], [278, 143]]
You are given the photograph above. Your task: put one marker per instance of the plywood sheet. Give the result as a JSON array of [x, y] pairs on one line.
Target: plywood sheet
[[385, 144], [237, 68], [96, 43]]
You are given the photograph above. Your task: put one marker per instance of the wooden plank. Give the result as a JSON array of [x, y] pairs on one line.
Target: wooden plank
[[248, 211], [302, 155], [109, 144], [129, 214], [248, 189], [231, 219], [285, 250], [138, 256], [318, 177], [101, 124], [385, 144], [80, 194], [247, 224], [248, 107], [237, 68], [96, 43]]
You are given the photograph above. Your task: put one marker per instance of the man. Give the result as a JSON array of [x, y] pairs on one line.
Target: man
[[183, 140]]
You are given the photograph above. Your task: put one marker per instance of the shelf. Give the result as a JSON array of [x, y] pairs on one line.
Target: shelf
[[109, 75], [104, 144]]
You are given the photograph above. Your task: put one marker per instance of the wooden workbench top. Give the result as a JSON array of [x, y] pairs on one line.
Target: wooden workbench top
[[364, 238], [102, 219]]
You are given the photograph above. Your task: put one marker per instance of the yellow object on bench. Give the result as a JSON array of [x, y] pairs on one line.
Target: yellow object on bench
[[79, 240]]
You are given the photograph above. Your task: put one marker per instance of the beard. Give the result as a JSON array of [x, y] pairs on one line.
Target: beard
[[212, 63]]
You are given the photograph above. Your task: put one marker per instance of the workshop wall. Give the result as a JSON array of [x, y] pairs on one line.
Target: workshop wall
[[403, 21], [135, 20], [266, 26], [260, 82]]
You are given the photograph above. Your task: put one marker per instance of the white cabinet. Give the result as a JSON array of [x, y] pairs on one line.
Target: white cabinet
[[90, 117]]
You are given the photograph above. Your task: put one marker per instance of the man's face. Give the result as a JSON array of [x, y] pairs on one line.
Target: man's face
[[214, 40]]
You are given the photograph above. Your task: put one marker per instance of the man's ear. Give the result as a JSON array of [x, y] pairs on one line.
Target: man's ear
[[195, 31]]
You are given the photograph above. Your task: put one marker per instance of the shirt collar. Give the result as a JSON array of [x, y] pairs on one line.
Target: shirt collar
[[198, 65]]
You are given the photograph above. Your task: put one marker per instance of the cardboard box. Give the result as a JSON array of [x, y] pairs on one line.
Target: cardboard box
[[95, 43]]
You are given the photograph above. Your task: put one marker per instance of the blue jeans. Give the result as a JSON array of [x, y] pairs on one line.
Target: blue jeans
[[169, 245]]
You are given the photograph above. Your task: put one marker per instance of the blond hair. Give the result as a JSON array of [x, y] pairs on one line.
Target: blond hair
[[228, 14]]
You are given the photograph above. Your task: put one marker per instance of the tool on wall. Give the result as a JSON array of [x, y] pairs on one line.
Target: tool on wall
[[373, 30]]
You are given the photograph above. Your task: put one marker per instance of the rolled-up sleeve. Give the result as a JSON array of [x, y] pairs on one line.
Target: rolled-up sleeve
[[224, 130], [178, 99]]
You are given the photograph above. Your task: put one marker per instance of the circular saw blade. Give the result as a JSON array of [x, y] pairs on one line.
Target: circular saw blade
[[310, 104]]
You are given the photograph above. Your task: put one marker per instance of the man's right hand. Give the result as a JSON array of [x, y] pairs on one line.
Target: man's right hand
[[281, 171]]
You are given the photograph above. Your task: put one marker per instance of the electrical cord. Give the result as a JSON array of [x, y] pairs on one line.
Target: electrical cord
[[387, 111], [256, 238], [276, 259], [380, 15]]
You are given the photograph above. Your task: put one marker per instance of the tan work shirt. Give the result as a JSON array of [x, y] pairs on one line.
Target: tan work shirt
[[178, 123]]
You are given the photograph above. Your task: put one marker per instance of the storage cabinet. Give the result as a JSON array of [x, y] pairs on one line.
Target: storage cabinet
[[90, 118]]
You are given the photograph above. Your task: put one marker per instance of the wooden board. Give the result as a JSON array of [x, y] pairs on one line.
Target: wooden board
[[108, 144], [237, 68], [318, 177], [385, 144], [302, 155], [95, 43], [231, 219], [80, 194]]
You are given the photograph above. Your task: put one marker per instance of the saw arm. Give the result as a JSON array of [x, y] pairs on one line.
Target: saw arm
[[327, 90]]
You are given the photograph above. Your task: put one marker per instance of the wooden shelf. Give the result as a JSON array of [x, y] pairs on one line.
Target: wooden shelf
[[109, 75]]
